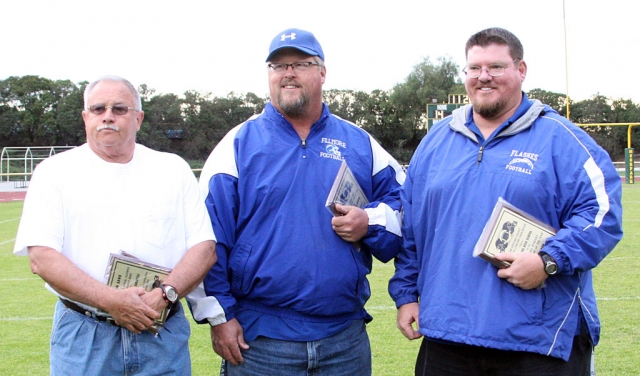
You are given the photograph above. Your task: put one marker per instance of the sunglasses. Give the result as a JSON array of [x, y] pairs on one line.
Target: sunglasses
[[118, 109]]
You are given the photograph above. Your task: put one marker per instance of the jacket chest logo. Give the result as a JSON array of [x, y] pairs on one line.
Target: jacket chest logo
[[332, 148], [522, 162]]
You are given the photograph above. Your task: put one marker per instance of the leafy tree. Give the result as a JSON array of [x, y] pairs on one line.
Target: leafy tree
[[207, 120], [593, 110], [556, 101], [598, 110], [36, 111], [376, 113], [426, 82], [622, 111], [625, 111], [32, 97], [341, 103], [10, 126], [162, 113], [67, 112]]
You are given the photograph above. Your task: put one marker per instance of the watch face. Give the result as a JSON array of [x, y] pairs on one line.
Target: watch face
[[171, 293], [551, 268]]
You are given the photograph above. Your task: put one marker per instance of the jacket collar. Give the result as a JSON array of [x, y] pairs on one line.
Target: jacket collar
[[461, 115]]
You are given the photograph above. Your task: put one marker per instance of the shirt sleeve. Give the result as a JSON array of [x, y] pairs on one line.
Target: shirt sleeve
[[219, 185], [384, 236], [42, 221]]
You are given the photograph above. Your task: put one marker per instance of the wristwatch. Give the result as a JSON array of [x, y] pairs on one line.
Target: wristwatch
[[169, 293], [550, 265]]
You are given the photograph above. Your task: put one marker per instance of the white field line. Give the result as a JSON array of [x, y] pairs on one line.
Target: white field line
[[9, 220], [19, 279], [26, 318], [619, 299], [8, 241]]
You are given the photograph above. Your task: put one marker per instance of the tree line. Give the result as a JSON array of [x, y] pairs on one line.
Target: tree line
[[36, 111]]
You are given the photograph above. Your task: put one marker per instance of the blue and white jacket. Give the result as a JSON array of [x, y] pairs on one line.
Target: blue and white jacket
[[539, 162], [266, 190]]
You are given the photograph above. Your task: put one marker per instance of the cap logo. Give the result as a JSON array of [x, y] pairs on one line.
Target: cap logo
[[283, 37]]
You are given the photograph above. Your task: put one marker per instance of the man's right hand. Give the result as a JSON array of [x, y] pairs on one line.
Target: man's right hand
[[125, 305], [407, 315], [129, 310], [227, 339]]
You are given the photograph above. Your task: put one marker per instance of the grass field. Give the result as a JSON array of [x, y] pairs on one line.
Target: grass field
[[25, 315]]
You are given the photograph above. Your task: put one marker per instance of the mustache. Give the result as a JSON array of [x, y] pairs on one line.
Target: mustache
[[480, 86], [289, 82], [113, 127]]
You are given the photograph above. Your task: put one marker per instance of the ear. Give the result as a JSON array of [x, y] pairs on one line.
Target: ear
[[522, 69], [139, 117], [85, 113], [323, 73]]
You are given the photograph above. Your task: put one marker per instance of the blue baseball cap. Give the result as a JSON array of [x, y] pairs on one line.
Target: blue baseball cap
[[298, 39]]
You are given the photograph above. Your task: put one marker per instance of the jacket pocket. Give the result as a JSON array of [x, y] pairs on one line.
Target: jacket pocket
[[240, 269], [358, 260]]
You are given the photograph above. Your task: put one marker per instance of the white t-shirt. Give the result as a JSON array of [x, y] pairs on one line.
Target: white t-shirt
[[87, 208]]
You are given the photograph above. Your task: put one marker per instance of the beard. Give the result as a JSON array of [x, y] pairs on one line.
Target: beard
[[489, 110], [294, 107]]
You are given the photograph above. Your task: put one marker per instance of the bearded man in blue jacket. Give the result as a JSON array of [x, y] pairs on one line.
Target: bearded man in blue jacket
[[539, 315], [291, 278]]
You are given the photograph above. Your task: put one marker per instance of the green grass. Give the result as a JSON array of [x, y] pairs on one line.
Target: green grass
[[25, 315]]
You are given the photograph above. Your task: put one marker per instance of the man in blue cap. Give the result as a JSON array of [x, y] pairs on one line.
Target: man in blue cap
[[291, 277]]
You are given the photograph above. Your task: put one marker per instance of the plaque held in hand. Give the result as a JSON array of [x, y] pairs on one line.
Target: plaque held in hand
[[345, 191], [510, 229], [125, 270]]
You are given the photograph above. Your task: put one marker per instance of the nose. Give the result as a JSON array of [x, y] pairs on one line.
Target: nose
[[289, 72], [484, 75], [108, 116]]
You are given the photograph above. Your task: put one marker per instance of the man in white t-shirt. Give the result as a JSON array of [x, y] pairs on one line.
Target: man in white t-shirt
[[106, 196]]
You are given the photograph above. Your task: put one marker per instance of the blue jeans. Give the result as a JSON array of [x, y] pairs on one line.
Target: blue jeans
[[347, 353], [80, 345]]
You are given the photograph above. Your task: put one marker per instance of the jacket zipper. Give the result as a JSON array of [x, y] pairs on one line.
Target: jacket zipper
[[480, 154]]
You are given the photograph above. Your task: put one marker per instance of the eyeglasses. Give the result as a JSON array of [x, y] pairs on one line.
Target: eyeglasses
[[118, 109], [300, 66], [494, 70]]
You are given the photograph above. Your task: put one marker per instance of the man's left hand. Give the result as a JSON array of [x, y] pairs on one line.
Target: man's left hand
[[352, 225], [155, 300], [526, 270]]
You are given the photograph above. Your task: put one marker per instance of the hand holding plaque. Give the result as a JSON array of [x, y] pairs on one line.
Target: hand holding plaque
[[510, 229], [345, 191], [125, 270]]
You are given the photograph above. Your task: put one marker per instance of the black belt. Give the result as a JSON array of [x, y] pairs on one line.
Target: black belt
[[74, 307]]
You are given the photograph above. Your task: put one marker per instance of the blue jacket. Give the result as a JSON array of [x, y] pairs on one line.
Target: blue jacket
[[539, 162], [277, 252]]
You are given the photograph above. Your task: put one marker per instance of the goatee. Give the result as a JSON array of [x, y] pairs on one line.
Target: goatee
[[295, 108], [489, 110]]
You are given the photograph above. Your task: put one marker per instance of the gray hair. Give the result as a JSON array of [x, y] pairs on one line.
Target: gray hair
[[136, 96]]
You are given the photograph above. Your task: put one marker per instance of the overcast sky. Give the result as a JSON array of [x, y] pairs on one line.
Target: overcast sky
[[220, 46]]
